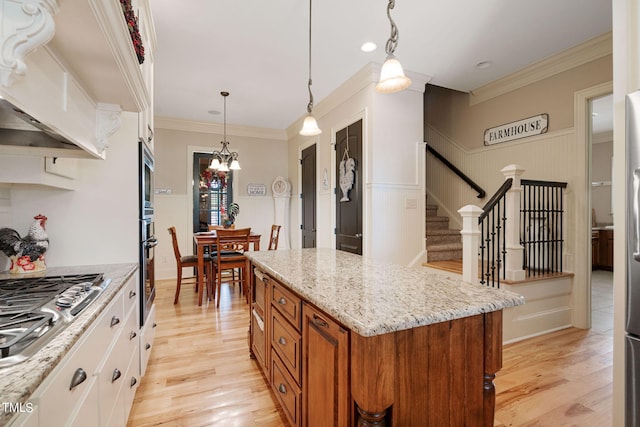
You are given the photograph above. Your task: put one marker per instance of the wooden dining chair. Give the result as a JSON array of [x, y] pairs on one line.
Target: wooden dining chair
[[231, 244], [273, 239], [191, 261]]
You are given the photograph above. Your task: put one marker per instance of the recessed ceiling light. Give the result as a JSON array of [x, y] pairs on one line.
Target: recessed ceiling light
[[484, 64], [368, 47], [213, 112]]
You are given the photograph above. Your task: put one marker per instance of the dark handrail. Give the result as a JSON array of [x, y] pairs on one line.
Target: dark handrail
[[536, 183], [465, 178], [506, 185]]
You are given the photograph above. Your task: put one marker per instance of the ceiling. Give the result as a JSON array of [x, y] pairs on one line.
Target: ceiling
[[258, 50]]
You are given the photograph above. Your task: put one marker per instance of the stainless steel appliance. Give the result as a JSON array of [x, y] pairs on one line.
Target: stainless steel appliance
[[34, 310], [147, 240], [632, 339]]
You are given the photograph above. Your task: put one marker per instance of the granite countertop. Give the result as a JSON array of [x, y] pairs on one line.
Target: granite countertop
[[18, 382], [372, 297]]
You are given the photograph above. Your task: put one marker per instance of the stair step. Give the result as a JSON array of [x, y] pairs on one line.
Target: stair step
[[444, 235], [443, 252], [432, 210], [437, 223]]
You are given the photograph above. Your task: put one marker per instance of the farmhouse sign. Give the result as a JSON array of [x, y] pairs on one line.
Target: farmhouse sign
[[535, 125]]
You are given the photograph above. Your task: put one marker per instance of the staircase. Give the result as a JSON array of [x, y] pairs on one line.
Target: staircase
[[442, 243]]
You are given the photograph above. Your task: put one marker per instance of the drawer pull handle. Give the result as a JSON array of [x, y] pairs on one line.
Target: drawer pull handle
[[282, 301], [282, 389], [114, 321], [154, 324], [282, 341], [116, 375], [134, 381], [132, 294], [79, 376], [132, 335], [320, 321], [147, 347]]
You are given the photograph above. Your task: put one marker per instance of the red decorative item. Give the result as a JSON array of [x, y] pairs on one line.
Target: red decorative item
[[132, 23]]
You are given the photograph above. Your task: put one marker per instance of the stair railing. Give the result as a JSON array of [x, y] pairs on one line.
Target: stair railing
[[465, 178], [492, 222], [542, 226], [504, 241]]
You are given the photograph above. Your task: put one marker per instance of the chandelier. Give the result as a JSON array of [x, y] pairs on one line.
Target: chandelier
[[310, 125], [224, 160], [392, 78]]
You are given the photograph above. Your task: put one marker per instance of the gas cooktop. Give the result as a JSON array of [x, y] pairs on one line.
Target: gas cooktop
[[34, 310]]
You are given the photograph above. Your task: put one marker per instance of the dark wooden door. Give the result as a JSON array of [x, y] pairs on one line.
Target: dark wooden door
[[308, 196], [349, 189]]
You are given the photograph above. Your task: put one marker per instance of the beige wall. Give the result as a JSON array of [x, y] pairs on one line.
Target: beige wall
[[451, 114], [262, 160]]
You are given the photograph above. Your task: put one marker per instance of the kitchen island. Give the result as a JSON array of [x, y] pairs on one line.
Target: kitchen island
[[28, 389], [345, 340]]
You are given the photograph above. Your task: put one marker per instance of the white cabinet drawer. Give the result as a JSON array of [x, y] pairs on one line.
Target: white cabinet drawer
[[86, 414], [146, 340], [112, 375]]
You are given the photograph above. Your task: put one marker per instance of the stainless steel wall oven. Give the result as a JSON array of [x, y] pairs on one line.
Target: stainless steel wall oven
[[147, 239]]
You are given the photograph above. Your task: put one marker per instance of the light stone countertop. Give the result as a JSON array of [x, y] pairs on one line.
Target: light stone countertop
[[18, 382], [372, 297]]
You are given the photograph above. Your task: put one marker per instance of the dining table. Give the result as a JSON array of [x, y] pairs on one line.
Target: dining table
[[207, 239]]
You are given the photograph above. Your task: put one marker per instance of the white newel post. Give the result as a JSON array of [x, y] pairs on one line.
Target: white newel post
[[281, 199], [515, 251], [470, 242]]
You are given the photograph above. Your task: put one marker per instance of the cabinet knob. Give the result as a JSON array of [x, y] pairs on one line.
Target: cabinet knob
[[282, 389], [154, 324], [79, 376], [147, 347], [116, 375], [282, 341], [282, 301], [132, 294], [134, 381], [114, 321], [132, 335]]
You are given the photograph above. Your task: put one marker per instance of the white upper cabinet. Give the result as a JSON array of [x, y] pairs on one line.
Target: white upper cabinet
[[71, 65]]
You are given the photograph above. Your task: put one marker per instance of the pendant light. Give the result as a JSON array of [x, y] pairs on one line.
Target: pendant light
[[224, 160], [392, 78], [310, 125]]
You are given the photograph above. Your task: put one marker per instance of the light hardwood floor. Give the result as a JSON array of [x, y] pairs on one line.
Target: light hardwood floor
[[200, 373]]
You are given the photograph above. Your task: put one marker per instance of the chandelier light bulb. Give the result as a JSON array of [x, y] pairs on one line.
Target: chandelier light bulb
[[235, 166]]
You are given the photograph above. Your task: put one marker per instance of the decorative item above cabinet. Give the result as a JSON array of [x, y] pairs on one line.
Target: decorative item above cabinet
[[72, 66]]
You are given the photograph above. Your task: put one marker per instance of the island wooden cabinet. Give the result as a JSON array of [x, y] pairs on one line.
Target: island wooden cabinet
[[325, 370], [324, 374]]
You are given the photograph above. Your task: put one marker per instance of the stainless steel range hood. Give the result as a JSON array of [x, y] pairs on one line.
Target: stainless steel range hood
[[22, 133]]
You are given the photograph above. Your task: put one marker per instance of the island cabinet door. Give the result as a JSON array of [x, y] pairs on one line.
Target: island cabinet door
[[325, 370], [260, 294]]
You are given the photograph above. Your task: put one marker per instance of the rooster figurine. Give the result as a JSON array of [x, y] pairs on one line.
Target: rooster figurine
[[26, 253]]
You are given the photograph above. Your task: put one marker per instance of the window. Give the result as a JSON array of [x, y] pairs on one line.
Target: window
[[212, 193]]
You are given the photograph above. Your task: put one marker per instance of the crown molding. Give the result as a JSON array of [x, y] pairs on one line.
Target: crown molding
[[591, 50], [218, 128]]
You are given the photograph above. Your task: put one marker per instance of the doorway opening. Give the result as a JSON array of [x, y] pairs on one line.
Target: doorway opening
[[600, 171]]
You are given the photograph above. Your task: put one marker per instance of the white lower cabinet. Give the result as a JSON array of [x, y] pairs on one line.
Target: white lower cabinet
[[148, 334], [92, 385]]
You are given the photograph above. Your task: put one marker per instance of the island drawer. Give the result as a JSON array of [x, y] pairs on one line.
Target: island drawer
[[260, 293], [287, 392], [287, 342], [258, 339], [287, 303]]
